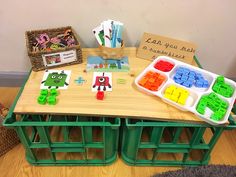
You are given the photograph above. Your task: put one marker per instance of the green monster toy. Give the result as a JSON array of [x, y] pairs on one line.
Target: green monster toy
[[55, 79]]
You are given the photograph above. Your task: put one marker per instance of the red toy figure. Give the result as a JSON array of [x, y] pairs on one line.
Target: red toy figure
[[102, 81], [100, 95]]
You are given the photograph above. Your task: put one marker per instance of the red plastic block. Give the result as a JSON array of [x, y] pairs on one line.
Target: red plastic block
[[164, 66], [100, 95]]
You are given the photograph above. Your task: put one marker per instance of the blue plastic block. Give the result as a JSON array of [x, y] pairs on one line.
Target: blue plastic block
[[177, 72], [199, 76], [199, 83], [205, 84], [186, 84], [192, 74], [191, 80], [190, 84], [178, 81], [180, 70], [186, 72], [177, 76], [184, 78]]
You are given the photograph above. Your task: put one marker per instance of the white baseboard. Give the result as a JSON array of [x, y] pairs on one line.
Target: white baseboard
[[12, 79]]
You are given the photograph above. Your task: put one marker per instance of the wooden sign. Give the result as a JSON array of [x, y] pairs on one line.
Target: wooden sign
[[153, 46]]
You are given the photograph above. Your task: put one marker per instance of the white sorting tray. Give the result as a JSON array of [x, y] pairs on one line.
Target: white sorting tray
[[195, 93]]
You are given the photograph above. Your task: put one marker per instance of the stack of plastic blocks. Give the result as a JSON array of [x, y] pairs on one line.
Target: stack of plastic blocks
[[222, 88], [152, 80], [48, 97], [188, 78], [176, 94], [164, 66], [217, 105]]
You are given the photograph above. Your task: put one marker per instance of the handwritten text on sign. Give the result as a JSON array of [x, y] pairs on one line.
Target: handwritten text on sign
[[152, 46]]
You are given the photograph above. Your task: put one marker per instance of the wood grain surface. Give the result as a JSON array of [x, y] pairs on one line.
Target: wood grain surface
[[125, 100]]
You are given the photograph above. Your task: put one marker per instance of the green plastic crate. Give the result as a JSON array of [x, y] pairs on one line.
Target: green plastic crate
[[153, 143], [67, 140], [234, 109]]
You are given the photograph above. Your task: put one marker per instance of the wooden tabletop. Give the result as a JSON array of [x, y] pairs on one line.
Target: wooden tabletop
[[125, 100]]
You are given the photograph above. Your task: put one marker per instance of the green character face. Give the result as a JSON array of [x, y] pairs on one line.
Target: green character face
[[56, 80]]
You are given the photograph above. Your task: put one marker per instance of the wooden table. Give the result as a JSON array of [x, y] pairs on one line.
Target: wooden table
[[125, 100]]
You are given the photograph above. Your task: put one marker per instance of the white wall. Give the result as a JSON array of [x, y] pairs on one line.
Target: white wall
[[210, 24]]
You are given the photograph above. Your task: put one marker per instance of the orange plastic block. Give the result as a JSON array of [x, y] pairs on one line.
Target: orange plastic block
[[162, 78], [143, 81], [148, 85], [152, 80], [149, 74]]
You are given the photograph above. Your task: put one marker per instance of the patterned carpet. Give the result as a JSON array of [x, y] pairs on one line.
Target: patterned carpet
[[202, 171]]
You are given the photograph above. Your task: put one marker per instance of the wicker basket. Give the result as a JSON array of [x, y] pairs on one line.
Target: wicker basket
[[37, 57], [8, 137]]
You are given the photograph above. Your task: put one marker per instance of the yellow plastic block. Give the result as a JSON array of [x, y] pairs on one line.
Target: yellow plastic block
[[167, 96], [172, 87], [169, 91], [174, 98], [176, 94], [182, 100]]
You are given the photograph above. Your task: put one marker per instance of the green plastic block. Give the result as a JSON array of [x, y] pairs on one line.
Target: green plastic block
[[201, 111], [42, 99], [224, 105], [53, 92], [220, 79], [201, 107], [217, 105], [223, 88], [216, 117], [213, 96], [216, 87], [44, 92], [52, 100]]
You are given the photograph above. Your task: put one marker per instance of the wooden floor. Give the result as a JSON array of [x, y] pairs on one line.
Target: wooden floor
[[13, 164]]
